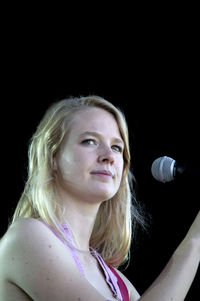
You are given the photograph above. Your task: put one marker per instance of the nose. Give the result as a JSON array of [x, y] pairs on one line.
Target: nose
[[106, 156]]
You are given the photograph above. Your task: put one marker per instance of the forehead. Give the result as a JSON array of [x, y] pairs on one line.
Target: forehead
[[95, 119]]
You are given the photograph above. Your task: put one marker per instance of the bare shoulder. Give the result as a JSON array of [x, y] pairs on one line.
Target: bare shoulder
[[24, 234], [19, 232], [39, 265], [22, 228], [23, 253], [134, 295]]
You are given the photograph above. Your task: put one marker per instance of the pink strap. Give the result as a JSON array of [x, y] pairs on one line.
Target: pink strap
[[115, 282], [122, 285], [65, 229]]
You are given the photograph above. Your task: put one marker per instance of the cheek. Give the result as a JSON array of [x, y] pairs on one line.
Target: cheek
[[72, 163], [119, 168], [65, 165]]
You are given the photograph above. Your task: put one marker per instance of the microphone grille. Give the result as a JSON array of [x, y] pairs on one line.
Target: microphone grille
[[162, 169]]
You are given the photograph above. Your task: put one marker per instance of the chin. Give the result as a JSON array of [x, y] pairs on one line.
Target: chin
[[103, 195]]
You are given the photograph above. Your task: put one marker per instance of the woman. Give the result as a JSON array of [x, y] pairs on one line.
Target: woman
[[72, 226]]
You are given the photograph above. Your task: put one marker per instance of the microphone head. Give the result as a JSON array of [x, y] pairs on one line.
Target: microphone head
[[163, 169]]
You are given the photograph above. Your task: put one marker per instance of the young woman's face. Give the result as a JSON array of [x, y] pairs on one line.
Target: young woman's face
[[90, 162]]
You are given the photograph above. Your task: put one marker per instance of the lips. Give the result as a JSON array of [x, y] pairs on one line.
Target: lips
[[102, 172]]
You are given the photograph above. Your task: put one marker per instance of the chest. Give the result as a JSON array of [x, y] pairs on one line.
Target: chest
[[96, 277]]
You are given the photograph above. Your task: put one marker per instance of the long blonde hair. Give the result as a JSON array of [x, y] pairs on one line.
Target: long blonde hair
[[112, 232]]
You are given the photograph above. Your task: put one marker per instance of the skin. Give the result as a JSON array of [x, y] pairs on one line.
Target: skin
[[35, 265], [88, 171], [91, 147]]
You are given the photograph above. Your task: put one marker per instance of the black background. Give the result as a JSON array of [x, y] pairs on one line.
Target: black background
[[149, 67]]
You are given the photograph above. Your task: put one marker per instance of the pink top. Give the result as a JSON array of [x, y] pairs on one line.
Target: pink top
[[113, 279]]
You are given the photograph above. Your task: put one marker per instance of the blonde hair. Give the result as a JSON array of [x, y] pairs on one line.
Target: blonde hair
[[112, 232]]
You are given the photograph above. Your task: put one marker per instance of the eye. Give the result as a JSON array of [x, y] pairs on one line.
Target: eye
[[117, 148], [88, 141]]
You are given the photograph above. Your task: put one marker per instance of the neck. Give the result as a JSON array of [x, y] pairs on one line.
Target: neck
[[79, 214], [80, 218]]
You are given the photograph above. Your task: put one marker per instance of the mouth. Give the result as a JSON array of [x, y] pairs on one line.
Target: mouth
[[103, 173]]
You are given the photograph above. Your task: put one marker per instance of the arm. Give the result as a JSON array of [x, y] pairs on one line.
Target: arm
[[176, 278], [35, 261]]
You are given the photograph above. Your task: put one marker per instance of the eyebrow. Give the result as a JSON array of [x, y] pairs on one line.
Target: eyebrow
[[96, 134]]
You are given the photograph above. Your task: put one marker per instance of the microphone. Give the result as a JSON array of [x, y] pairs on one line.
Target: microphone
[[166, 169]]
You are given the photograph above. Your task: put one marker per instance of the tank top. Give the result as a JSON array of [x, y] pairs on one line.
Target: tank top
[[115, 282]]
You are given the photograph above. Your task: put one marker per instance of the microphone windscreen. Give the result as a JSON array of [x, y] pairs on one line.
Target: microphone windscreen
[[163, 169]]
